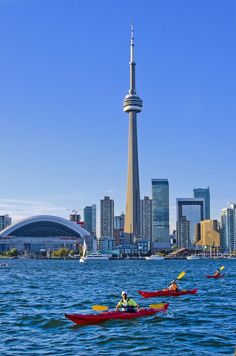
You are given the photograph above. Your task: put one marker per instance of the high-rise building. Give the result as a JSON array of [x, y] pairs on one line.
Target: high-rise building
[[228, 228], [5, 221], [90, 219], [132, 105], [190, 211], [119, 222], [106, 217], [205, 194], [160, 214], [207, 234], [146, 218]]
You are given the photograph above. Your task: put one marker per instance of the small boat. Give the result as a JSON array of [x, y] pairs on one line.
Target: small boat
[[82, 259], [154, 258], [92, 256], [4, 265], [87, 319], [219, 276], [95, 256], [166, 293], [193, 257]]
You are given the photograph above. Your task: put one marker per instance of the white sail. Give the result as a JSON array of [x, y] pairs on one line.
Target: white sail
[[84, 249]]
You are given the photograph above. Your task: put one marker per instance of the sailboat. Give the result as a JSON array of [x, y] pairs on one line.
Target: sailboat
[[82, 259], [92, 256]]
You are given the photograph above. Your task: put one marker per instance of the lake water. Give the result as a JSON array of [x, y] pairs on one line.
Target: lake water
[[35, 294]]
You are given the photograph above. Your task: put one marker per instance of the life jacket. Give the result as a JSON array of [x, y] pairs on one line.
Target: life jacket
[[173, 287], [125, 305]]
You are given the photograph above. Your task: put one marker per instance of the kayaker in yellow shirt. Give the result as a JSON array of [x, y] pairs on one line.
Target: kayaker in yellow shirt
[[127, 304]]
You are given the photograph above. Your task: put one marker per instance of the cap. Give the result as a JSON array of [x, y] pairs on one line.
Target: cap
[[124, 292]]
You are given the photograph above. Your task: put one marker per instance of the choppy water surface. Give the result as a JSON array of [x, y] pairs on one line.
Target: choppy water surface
[[35, 294]]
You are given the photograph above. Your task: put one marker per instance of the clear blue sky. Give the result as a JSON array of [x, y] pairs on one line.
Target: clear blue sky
[[64, 71]]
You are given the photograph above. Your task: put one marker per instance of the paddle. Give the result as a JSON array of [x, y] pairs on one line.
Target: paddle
[[181, 275], [221, 268], [104, 307]]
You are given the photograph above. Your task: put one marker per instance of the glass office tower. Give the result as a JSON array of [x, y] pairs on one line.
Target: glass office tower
[[190, 211], [90, 219], [228, 228], [205, 194], [160, 214]]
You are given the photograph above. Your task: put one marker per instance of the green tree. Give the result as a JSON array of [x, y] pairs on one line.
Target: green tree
[[12, 252], [62, 252]]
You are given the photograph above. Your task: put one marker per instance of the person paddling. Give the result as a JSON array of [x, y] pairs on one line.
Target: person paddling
[[127, 304], [173, 286], [217, 273]]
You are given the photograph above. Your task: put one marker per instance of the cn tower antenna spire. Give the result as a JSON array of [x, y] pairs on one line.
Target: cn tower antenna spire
[[132, 44]]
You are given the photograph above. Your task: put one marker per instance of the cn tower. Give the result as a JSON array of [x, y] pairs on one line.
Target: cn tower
[[132, 104]]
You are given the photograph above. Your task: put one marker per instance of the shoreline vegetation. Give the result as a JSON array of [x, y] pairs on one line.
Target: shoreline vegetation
[[65, 253]]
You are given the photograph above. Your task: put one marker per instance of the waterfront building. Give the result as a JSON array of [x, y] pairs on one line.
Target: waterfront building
[[106, 245], [160, 214], [207, 234], [128, 250], [75, 217], [5, 221], [132, 104], [146, 218], [205, 194], [190, 211], [43, 233], [228, 228], [106, 217], [90, 219], [173, 240], [143, 246]]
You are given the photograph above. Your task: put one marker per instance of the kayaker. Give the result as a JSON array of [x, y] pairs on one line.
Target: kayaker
[[173, 286], [217, 273], [127, 304]]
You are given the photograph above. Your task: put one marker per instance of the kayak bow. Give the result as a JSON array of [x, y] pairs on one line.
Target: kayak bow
[[166, 293], [86, 319]]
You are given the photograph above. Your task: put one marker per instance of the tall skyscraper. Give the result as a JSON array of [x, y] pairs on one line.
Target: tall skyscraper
[[106, 217], [190, 211], [132, 105], [160, 214], [5, 221], [90, 219], [228, 228], [119, 222], [205, 194], [146, 218]]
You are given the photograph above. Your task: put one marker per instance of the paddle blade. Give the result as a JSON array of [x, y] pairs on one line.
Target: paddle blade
[[157, 306], [99, 307], [221, 268], [181, 275]]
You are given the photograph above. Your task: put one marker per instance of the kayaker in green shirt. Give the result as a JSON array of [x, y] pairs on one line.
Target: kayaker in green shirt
[[127, 304]]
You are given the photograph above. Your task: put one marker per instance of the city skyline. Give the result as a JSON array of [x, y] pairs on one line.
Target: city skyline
[[187, 79]]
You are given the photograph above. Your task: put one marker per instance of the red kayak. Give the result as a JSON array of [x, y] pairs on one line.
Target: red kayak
[[220, 276], [86, 319], [166, 293]]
